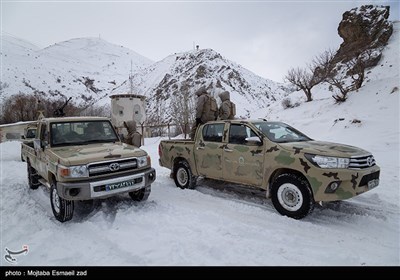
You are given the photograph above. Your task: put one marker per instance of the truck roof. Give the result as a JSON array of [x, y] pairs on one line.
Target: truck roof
[[76, 119], [240, 121]]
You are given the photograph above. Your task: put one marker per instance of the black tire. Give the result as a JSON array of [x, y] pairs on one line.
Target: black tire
[[141, 195], [33, 177], [292, 196], [63, 209], [183, 176]]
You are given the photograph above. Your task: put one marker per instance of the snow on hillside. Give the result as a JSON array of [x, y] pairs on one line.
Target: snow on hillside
[[184, 73], [91, 69], [221, 224], [87, 69], [18, 45]]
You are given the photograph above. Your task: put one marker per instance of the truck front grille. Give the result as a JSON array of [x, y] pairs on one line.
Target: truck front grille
[[110, 167], [366, 178], [362, 162]]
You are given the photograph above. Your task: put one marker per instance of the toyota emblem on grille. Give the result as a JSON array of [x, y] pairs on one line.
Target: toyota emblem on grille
[[370, 161], [114, 166]]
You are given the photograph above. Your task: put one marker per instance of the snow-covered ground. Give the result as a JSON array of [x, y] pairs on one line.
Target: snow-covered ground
[[218, 224], [212, 225]]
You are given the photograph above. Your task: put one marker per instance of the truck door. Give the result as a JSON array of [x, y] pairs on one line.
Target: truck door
[[41, 160], [208, 150], [242, 160]]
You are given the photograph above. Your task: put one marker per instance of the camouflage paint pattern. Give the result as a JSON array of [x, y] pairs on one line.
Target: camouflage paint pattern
[[255, 165]]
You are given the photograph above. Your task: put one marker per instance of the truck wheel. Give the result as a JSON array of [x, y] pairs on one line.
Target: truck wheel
[[292, 196], [141, 194], [33, 177], [183, 176], [62, 209]]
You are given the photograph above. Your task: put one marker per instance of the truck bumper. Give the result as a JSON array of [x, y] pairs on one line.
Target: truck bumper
[[349, 182], [106, 187]]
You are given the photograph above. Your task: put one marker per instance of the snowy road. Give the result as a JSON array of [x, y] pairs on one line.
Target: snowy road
[[216, 224]]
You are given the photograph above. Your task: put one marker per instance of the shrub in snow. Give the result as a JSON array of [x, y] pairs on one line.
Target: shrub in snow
[[287, 103]]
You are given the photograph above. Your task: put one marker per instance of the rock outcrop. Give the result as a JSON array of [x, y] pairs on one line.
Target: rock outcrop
[[364, 29]]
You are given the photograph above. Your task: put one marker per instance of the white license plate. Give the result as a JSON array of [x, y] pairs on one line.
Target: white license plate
[[373, 183], [119, 185]]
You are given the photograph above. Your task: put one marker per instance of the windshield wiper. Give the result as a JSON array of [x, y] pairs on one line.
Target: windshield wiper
[[68, 144], [100, 141]]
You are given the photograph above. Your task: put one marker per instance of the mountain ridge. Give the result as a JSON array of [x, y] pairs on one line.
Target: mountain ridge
[[91, 69]]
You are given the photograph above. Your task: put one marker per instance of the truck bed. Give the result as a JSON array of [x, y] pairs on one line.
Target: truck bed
[[26, 149], [172, 150]]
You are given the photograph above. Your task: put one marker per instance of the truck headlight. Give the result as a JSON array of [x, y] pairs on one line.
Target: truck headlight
[[143, 161], [328, 162], [78, 171]]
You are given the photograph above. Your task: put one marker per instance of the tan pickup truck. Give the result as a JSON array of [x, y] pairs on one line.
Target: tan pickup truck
[[82, 158], [295, 170]]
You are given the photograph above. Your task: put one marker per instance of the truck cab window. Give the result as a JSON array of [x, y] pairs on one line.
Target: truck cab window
[[238, 134], [213, 132]]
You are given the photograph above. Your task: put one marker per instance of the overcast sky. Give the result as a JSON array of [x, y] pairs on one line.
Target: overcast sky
[[266, 37]]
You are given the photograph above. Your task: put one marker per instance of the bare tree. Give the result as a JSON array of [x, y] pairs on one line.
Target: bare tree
[[357, 66], [26, 107], [339, 81], [353, 69], [358, 73], [156, 117], [95, 110], [324, 68], [323, 65], [306, 78], [182, 108], [302, 79], [18, 108]]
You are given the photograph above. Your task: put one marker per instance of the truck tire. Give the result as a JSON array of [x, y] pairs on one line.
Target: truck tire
[[141, 194], [183, 176], [62, 209], [33, 177], [292, 196]]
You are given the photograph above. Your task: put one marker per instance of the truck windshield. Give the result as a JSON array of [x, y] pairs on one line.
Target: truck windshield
[[81, 133], [280, 132]]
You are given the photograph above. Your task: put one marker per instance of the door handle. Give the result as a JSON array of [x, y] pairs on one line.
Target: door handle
[[200, 148], [228, 150]]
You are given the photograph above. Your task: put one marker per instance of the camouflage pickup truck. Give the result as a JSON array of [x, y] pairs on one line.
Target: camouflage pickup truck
[[82, 158], [295, 170]]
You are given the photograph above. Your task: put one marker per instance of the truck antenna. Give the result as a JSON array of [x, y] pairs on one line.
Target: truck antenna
[[131, 80]]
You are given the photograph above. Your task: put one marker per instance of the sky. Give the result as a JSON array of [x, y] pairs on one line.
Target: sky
[[266, 37], [220, 224]]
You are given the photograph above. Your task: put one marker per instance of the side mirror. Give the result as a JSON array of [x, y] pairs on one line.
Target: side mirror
[[254, 140], [37, 145], [22, 137], [44, 144]]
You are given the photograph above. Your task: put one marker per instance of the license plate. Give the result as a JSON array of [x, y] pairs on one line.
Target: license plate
[[119, 185], [373, 183]]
